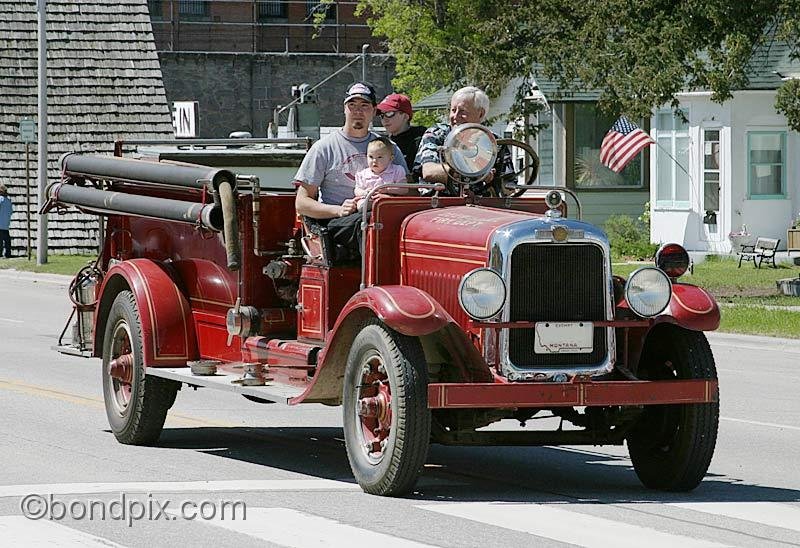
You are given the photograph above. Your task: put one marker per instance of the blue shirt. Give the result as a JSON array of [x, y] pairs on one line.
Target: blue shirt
[[5, 212]]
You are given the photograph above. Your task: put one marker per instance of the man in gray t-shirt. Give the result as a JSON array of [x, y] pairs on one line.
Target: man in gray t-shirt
[[326, 178]]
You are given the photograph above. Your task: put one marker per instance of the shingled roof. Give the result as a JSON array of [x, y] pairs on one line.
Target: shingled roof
[[104, 83]]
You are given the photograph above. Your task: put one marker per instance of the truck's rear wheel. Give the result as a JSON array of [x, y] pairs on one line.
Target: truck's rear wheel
[[387, 422], [671, 445], [136, 404]]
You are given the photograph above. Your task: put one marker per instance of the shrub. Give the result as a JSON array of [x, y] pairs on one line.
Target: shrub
[[629, 238]]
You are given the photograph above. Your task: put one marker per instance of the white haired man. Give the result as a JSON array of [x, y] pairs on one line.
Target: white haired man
[[467, 105]]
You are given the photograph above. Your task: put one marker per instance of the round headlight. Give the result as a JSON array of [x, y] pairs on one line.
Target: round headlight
[[482, 293], [648, 291]]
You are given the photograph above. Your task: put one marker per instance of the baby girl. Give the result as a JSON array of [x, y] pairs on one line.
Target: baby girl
[[381, 170]]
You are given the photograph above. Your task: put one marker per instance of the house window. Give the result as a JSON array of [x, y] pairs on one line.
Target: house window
[[672, 161], [156, 8], [315, 6], [193, 8], [275, 9], [587, 127], [766, 164]]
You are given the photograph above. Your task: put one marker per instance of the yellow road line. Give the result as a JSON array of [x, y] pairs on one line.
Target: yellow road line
[[173, 419]]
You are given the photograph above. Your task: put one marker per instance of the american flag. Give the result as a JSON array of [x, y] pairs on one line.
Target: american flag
[[622, 142]]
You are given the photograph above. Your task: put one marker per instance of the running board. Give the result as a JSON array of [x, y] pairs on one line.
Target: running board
[[271, 391]]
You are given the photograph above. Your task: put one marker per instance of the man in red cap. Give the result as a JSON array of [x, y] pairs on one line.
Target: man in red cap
[[396, 113]]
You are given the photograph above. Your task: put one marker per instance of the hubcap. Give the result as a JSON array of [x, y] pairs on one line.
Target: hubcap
[[373, 408], [120, 367]]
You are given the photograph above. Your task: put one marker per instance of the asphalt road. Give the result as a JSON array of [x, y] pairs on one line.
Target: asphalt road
[[221, 456]]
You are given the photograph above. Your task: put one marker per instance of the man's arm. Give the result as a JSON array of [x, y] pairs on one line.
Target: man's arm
[[428, 162], [305, 203], [433, 172]]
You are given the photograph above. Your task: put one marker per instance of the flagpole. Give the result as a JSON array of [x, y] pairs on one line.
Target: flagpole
[[673, 159]]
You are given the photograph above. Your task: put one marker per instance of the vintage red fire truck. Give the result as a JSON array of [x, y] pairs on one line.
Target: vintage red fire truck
[[464, 311]]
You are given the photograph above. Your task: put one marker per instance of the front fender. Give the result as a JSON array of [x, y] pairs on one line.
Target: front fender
[[691, 307], [167, 330], [405, 309]]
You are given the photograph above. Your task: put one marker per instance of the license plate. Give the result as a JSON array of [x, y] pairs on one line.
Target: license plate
[[563, 337]]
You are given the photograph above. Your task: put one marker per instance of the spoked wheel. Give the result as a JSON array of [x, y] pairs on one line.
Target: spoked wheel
[[386, 418], [120, 369], [671, 445], [136, 405]]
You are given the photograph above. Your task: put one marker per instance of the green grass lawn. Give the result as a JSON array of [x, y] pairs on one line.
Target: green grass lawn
[[757, 320], [745, 295], [56, 264]]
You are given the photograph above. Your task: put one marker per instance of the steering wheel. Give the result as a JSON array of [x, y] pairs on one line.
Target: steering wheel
[[529, 167]]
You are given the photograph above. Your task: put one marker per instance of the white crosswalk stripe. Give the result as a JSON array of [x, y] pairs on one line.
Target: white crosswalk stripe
[[21, 531], [568, 526], [296, 529], [772, 514], [572, 524], [176, 487]]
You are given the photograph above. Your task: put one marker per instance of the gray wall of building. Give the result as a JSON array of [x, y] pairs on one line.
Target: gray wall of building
[[238, 91]]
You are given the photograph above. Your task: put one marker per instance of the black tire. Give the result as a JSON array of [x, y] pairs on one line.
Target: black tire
[[136, 404], [383, 362], [671, 445]]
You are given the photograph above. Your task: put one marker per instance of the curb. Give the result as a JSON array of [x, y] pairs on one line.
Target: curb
[[10, 273], [737, 339]]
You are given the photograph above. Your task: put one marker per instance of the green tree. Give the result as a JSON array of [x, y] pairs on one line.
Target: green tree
[[638, 54]]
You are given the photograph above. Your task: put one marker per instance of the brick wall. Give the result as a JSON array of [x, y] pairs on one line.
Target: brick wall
[[238, 92]]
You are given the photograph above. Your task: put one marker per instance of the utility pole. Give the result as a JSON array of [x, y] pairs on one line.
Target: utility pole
[[364, 50], [41, 229]]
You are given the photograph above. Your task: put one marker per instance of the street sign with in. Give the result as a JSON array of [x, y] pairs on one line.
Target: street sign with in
[[27, 131]]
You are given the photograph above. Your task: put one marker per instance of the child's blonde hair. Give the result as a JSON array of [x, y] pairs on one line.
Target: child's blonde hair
[[381, 142]]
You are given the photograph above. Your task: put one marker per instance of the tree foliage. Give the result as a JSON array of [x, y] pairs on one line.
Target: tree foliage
[[637, 54]]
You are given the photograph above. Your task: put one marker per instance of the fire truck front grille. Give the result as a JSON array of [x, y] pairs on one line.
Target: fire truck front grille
[[559, 283]]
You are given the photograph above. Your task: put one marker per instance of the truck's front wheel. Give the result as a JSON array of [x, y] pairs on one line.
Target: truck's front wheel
[[671, 445], [387, 422], [136, 404]]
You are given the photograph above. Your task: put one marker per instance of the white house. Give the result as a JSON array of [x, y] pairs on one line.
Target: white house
[[714, 167], [725, 166]]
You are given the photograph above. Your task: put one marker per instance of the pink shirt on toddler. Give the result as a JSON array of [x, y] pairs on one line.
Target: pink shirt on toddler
[[366, 180]]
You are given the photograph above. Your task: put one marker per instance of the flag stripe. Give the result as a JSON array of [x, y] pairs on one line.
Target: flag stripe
[[622, 143], [632, 149], [633, 144]]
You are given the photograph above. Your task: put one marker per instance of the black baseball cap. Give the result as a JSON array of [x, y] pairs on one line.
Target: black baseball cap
[[363, 90]]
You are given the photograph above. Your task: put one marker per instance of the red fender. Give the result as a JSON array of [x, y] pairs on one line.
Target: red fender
[[405, 309], [691, 307], [167, 330]]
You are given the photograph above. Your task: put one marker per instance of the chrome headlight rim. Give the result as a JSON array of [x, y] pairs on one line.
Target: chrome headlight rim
[[628, 285], [502, 300]]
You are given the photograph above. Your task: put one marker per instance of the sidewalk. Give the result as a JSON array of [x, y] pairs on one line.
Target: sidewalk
[[11, 274], [773, 343]]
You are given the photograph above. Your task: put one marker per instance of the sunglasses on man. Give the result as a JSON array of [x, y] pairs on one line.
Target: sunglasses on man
[[387, 115]]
